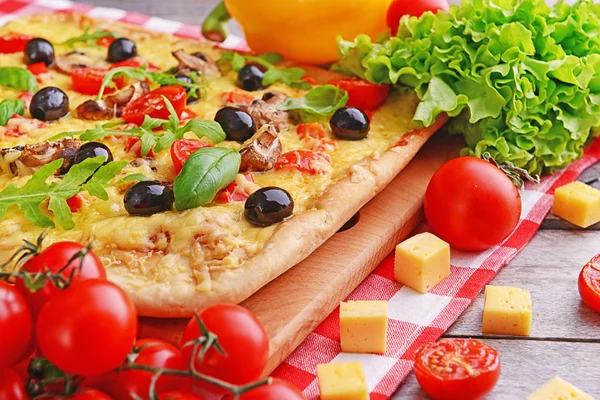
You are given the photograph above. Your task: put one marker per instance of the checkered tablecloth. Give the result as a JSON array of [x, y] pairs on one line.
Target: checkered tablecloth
[[414, 318]]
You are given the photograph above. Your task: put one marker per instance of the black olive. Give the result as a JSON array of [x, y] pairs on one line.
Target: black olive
[[49, 104], [250, 78], [237, 124], [200, 55], [268, 206], [39, 50], [122, 49], [91, 150], [148, 197], [350, 123]]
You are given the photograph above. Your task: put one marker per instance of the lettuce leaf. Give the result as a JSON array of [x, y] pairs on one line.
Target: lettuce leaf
[[521, 79]]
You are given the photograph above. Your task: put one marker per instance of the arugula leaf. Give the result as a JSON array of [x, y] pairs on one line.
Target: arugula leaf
[[9, 107], [321, 101], [131, 178], [18, 78], [29, 196], [207, 171], [95, 185], [130, 72], [88, 37]]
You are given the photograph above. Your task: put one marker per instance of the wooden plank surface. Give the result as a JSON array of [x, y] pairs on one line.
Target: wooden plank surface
[[548, 266]]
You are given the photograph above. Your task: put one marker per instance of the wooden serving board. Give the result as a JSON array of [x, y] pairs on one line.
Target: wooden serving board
[[293, 305]]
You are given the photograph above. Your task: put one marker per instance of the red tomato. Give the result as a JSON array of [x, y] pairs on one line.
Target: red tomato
[[16, 326], [89, 80], [589, 283], [277, 390], [242, 337], [13, 43], [54, 258], [26, 97], [105, 41], [74, 203], [308, 161], [237, 96], [152, 104], [83, 394], [453, 369], [12, 387], [398, 8], [311, 131], [472, 204], [179, 396], [133, 384], [187, 114], [134, 63], [134, 144], [88, 329], [38, 68], [182, 149], [233, 193], [362, 94], [310, 80]]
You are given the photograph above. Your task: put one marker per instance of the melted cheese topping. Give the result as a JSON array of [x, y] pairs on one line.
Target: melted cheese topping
[[195, 243]]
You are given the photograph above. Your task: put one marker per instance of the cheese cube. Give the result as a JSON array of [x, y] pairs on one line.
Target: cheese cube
[[578, 203], [342, 381], [506, 311], [363, 326], [557, 389], [422, 262]]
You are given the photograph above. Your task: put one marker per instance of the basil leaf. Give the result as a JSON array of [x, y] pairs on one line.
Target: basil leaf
[[207, 171], [18, 78], [201, 128], [9, 107], [321, 101], [271, 57]]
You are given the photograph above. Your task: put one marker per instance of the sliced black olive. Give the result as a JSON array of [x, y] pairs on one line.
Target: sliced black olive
[[91, 150], [147, 198], [268, 206], [350, 123], [122, 49], [237, 124], [49, 104], [250, 78], [39, 50]]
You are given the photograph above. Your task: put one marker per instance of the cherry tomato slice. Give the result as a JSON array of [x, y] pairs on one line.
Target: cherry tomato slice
[[237, 97], [234, 193], [589, 283], [182, 149], [453, 369], [398, 8], [105, 41], [75, 203], [16, 326], [306, 161], [12, 387], [312, 130], [152, 104], [13, 43], [134, 144], [38, 68], [89, 80], [134, 63], [362, 94]]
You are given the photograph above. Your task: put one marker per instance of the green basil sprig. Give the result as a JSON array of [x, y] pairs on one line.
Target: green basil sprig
[[18, 78], [9, 107], [207, 171]]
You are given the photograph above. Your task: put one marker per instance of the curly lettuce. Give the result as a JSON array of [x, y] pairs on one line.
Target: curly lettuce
[[521, 79]]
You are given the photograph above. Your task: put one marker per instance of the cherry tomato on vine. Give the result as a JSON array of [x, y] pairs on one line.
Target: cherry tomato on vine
[[132, 384], [83, 394], [453, 369], [54, 258], [277, 390], [152, 104], [589, 283], [472, 204], [182, 149], [16, 326], [242, 337], [87, 329], [12, 387], [362, 94], [178, 396], [416, 8]]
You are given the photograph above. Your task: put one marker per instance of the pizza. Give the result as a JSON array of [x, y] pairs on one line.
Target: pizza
[[199, 174]]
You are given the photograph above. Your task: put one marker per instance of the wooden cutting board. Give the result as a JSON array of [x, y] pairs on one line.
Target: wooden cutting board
[[291, 306]]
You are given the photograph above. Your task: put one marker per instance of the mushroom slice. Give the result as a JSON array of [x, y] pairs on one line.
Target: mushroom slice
[[93, 110], [265, 111], [262, 153], [196, 62], [68, 62], [33, 156], [127, 95]]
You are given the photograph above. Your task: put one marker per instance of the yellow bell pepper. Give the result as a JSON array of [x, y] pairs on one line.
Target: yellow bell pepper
[[304, 31]]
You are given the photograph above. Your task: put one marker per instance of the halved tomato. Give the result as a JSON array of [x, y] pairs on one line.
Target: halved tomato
[[453, 369], [38, 68], [89, 80], [362, 94], [182, 149], [307, 161], [152, 104], [589, 283], [13, 43]]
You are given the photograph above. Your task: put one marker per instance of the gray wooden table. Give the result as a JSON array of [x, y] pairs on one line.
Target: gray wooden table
[[565, 338]]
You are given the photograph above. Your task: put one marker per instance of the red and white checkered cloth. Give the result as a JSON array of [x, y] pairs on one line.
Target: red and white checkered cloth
[[414, 318]]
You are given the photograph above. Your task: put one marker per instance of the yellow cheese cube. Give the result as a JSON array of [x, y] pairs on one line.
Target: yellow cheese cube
[[506, 311], [422, 262], [557, 389], [342, 381], [363, 326], [578, 203]]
